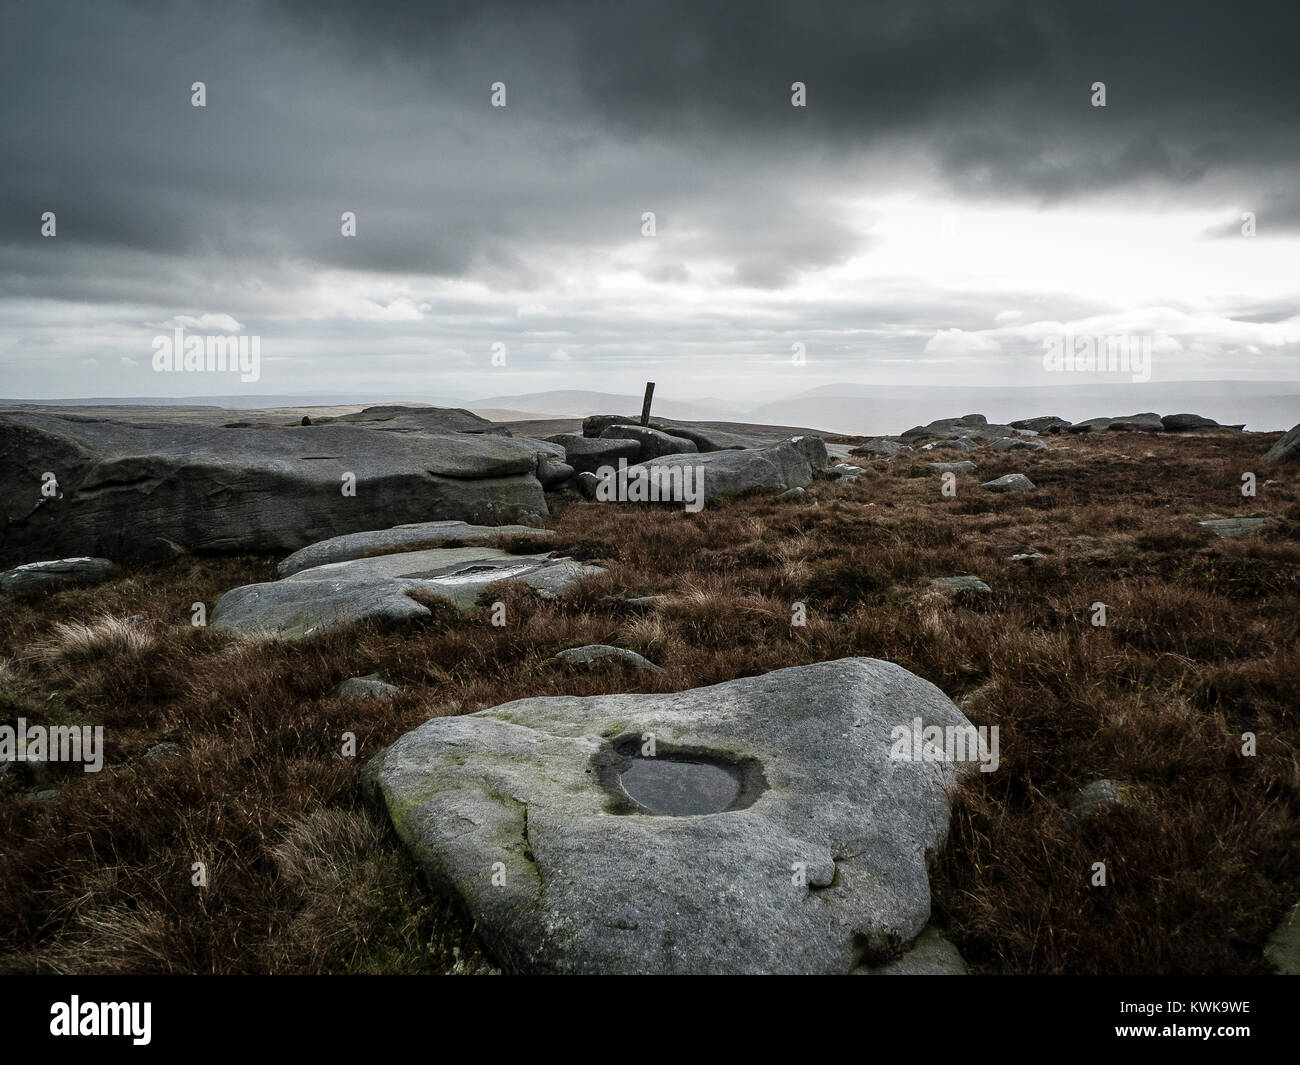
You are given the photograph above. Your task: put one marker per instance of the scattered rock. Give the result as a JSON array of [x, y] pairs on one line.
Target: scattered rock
[[1047, 423], [882, 445], [59, 573], [398, 539], [960, 584], [648, 600], [1011, 482], [1233, 526], [931, 955], [964, 466], [1011, 443], [367, 687], [844, 469], [588, 655], [1099, 795], [796, 765], [1287, 449], [960, 443]]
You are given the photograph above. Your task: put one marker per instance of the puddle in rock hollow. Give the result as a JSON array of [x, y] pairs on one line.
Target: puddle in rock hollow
[[671, 786]]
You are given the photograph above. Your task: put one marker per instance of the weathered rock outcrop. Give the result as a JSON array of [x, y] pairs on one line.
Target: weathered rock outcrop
[[1047, 423], [57, 573], [704, 437], [402, 538], [653, 442], [1186, 423], [138, 492], [380, 588], [811, 858], [1287, 449], [586, 455], [788, 464]]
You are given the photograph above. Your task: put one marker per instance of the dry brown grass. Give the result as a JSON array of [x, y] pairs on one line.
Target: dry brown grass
[[1203, 644]]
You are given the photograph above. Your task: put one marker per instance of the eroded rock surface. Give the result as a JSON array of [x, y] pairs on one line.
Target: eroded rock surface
[[818, 863]]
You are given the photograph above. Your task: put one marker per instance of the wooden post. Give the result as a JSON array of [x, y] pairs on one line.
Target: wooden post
[[645, 403]]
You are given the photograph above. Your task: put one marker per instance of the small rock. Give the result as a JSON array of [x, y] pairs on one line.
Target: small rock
[[1098, 795], [1028, 556], [591, 653], [367, 687], [793, 493], [1011, 482], [960, 584], [964, 466], [1283, 948], [166, 749], [48, 795], [647, 600], [961, 443], [930, 955], [1012, 443], [1233, 526], [880, 446]]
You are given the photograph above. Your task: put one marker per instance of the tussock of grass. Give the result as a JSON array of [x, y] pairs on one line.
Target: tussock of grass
[[1202, 644]]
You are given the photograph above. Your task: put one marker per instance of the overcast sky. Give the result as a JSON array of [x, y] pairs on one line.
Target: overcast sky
[[948, 197]]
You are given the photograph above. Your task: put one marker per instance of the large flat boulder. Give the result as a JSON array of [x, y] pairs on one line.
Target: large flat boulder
[[380, 588], [141, 491], [410, 537], [775, 828]]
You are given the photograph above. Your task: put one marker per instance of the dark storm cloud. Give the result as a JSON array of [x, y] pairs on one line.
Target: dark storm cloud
[[614, 109], [999, 89]]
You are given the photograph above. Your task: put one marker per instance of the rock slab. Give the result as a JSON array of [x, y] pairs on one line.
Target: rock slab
[[129, 491], [518, 814]]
